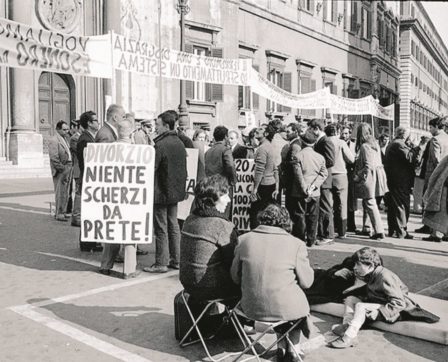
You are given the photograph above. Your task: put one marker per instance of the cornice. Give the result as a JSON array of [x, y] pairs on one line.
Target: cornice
[[202, 26]]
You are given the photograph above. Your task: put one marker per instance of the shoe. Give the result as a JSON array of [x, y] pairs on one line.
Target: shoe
[[409, 236], [423, 230], [392, 234], [445, 238], [362, 232], [339, 329], [342, 237], [379, 236], [132, 275], [142, 252], [61, 218], [324, 242], [104, 271], [174, 266], [119, 259], [156, 269], [432, 238], [291, 356], [310, 244], [76, 224], [343, 342], [351, 229]]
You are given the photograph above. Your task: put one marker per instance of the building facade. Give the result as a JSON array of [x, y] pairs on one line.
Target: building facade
[[424, 66], [300, 45]]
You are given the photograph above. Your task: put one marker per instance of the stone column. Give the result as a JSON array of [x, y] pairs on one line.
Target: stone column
[[25, 145]]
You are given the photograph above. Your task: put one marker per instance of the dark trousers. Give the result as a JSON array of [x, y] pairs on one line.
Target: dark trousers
[[326, 227], [306, 216], [340, 194], [398, 203], [167, 232], [264, 199]]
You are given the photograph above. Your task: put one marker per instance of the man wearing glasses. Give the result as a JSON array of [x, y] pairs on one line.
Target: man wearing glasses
[[61, 168]]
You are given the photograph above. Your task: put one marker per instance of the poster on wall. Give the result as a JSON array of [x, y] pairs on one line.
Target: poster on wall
[[118, 193], [26, 47], [184, 207], [241, 192]]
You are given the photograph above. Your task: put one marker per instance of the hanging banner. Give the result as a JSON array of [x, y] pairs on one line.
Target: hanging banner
[[142, 57], [341, 105], [241, 192], [265, 88], [118, 193], [184, 207], [383, 112], [22, 46]]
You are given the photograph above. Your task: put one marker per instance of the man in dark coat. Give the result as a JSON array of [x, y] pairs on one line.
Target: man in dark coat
[[238, 150], [219, 160], [325, 147], [170, 176], [285, 171], [399, 167]]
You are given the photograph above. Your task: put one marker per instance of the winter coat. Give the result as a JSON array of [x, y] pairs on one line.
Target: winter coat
[[170, 169], [369, 175], [219, 160], [272, 267], [206, 252]]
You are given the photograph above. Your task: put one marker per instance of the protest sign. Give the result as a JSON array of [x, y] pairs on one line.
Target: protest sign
[[241, 192], [184, 207], [142, 57], [315, 100], [341, 105], [118, 193], [22, 46]]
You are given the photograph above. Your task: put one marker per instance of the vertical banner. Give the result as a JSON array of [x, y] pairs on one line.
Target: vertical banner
[[184, 207], [118, 193], [242, 189]]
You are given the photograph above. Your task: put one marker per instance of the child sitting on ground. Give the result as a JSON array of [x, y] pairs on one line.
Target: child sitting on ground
[[382, 297]]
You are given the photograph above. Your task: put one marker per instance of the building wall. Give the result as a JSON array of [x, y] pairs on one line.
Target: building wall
[[424, 64]]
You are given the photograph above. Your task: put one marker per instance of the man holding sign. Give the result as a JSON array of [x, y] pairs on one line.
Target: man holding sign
[[169, 188]]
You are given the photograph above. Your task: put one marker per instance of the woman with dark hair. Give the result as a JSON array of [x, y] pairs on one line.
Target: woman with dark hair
[[207, 243], [272, 267], [369, 177]]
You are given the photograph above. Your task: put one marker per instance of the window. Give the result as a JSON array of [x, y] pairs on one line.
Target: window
[[307, 85], [276, 77], [330, 9], [366, 19], [247, 99], [199, 91], [354, 17], [412, 48], [199, 87], [307, 5]]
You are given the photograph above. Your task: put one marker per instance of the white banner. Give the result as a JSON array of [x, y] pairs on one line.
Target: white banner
[[22, 46], [142, 57], [265, 88], [366, 105], [243, 188], [118, 193], [184, 207]]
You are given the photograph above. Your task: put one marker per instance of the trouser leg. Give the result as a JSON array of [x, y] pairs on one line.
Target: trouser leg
[[299, 226], [312, 219], [173, 234], [326, 227], [161, 233], [110, 252], [374, 215]]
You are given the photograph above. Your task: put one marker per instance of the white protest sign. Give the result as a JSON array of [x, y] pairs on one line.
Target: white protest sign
[[242, 189], [184, 207], [22, 46], [341, 105], [118, 193], [142, 57]]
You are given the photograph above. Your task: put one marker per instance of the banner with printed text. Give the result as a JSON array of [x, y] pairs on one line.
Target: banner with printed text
[[315, 100], [241, 192], [142, 57], [22, 46], [184, 207], [118, 193]]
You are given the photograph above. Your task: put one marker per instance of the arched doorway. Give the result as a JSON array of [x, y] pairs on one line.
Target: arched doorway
[[56, 103]]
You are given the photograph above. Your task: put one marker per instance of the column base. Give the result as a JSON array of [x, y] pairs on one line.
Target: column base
[[26, 149]]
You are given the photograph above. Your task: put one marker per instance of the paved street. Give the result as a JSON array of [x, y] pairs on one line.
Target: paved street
[[56, 307]]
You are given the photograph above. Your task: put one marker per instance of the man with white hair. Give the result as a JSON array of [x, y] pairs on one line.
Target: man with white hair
[[238, 150], [399, 167]]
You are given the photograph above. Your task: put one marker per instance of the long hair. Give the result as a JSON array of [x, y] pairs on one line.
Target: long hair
[[275, 215], [364, 135]]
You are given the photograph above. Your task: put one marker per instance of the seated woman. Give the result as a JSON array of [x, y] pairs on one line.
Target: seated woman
[[272, 267], [207, 244]]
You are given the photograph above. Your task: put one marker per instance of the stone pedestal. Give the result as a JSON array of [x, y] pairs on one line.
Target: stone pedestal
[[26, 149]]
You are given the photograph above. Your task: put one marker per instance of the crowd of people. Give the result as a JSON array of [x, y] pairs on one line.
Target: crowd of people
[[318, 171]]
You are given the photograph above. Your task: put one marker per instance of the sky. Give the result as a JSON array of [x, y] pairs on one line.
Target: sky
[[438, 12]]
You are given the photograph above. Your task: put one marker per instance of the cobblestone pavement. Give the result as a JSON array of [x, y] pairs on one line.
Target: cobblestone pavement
[[56, 307]]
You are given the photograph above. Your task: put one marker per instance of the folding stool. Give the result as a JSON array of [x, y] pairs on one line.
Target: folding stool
[[195, 326], [263, 328]]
